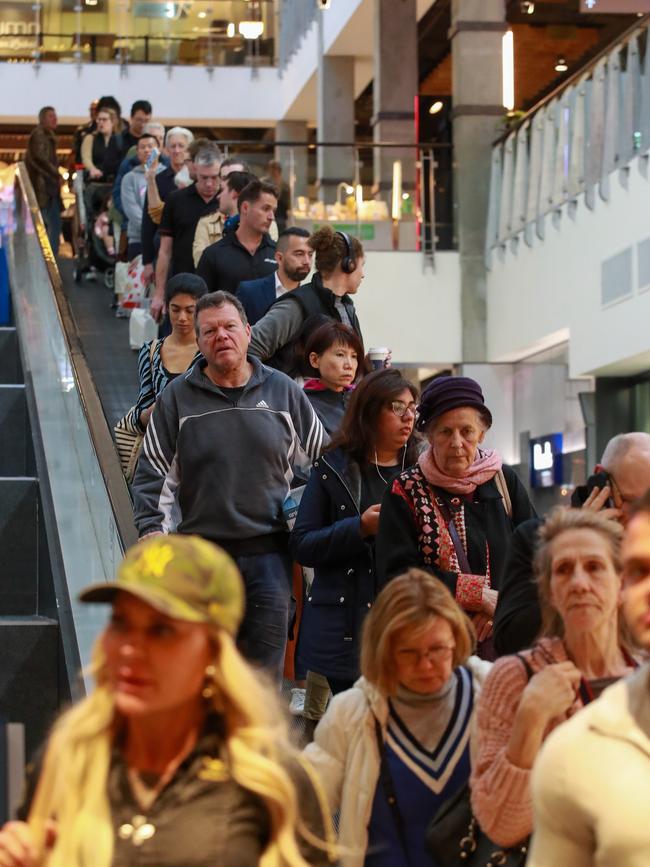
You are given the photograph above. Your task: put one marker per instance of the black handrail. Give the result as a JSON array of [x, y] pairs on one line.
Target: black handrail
[[100, 434], [419, 145]]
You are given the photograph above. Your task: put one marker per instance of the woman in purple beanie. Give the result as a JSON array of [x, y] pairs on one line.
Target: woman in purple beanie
[[453, 513]]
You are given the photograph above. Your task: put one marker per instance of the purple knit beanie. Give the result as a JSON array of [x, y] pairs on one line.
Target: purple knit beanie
[[450, 392]]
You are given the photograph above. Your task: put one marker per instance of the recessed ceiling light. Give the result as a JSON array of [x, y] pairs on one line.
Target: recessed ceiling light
[[561, 65], [437, 106]]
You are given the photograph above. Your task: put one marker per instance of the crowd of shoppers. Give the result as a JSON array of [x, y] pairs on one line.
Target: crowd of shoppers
[[269, 450]]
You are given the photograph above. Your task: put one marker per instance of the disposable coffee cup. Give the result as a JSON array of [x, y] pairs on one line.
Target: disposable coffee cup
[[378, 356]]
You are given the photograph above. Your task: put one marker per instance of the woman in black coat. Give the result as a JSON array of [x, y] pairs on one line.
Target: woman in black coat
[[455, 511], [338, 518]]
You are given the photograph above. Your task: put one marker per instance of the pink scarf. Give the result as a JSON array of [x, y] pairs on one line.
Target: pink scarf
[[486, 465]]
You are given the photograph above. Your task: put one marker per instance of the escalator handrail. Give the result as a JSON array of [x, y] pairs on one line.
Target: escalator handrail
[[100, 434]]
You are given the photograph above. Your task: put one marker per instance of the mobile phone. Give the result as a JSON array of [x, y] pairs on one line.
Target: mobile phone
[[151, 159], [599, 480]]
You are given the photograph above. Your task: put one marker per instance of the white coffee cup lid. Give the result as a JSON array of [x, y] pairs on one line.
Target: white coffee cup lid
[[378, 350]]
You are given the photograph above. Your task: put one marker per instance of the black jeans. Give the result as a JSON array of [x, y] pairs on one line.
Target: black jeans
[[339, 684]]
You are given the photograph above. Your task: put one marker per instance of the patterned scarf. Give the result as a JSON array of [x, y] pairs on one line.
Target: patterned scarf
[[486, 465]]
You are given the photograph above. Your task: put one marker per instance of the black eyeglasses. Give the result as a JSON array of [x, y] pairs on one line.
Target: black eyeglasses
[[400, 408]]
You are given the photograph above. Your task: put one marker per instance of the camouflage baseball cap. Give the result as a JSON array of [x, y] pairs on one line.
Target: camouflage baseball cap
[[185, 577]]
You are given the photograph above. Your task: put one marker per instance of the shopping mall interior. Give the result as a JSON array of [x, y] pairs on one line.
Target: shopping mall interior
[[493, 157]]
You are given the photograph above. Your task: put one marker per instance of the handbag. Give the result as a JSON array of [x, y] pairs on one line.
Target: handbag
[[128, 437], [454, 837]]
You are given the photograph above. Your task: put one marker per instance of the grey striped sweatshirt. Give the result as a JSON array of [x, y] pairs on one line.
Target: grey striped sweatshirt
[[222, 469]]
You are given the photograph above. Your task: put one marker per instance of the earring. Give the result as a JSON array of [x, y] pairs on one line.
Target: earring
[[208, 690]]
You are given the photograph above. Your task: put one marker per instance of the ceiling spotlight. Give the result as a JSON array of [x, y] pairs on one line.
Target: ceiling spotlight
[[527, 7], [437, 106], [561, 65]]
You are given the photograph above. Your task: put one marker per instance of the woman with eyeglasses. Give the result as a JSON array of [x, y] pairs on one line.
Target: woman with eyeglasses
[[454, 512], [95, 145], [338, 517], [393, 748]]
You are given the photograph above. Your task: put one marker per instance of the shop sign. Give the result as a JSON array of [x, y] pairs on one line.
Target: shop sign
[[17, 27], [618, 7], [546, 461]]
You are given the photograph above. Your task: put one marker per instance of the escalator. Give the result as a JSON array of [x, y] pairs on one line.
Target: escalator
[[65, 511]]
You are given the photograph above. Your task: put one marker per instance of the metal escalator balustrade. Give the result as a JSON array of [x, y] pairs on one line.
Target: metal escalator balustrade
[[86, 507], [569, 146]]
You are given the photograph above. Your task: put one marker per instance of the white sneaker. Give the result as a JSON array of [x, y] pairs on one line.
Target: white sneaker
[[297, 705]]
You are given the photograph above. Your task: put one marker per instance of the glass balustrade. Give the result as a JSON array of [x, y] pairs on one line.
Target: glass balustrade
[[572, 144]]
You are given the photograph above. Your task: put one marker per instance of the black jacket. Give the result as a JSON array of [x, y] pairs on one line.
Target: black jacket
[[399, 544], [327, 536], [317, 303], [518, 619], [228, 263], [330, 405]]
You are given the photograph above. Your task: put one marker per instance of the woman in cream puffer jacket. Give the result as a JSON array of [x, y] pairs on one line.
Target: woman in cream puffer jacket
[[415, 704]]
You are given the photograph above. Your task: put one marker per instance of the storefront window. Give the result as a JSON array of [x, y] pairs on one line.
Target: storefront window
[[195, 32]]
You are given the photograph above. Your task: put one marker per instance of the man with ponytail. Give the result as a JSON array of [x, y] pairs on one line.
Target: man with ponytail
[[180, 756]]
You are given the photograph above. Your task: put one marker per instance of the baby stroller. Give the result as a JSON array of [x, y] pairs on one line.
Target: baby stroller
[[92, 254]]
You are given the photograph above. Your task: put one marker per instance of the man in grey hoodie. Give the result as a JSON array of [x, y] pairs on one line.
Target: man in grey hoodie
[[217, 461], [133, 190]]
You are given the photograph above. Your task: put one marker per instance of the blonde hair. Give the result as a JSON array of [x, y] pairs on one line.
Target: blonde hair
[[73, 782], [412, 599], [112, 114], [562, 520]]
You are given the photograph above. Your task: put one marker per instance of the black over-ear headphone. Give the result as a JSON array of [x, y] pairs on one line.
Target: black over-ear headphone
[[348, 262]]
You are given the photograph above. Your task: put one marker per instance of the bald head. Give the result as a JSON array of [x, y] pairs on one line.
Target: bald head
[[619, 448], [627, 460]]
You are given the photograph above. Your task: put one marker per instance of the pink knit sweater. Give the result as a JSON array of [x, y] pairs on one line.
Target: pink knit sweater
[[501, 797]]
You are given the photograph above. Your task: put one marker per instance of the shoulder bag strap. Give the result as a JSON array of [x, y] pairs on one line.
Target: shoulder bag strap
[[389, 790], [152, 351], [526, 665], [461, 554], [502, 487]]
